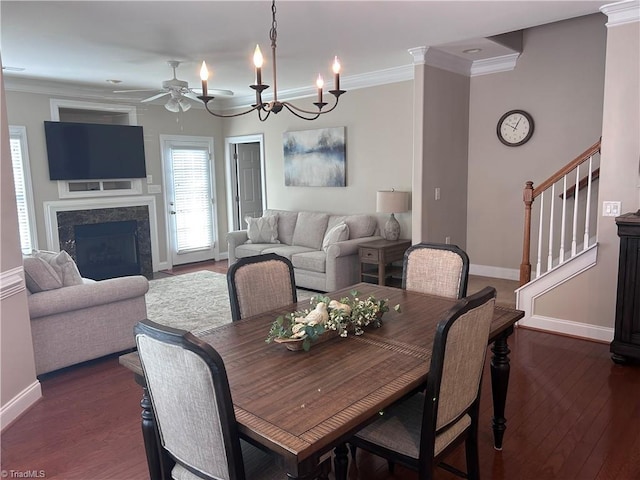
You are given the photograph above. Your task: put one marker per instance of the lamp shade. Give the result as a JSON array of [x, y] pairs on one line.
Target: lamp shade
[[390, 201]]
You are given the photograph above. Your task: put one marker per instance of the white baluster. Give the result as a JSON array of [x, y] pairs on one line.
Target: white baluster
[[564, 217], [575, 213], [539, 264], [587, 214], [550, 256]]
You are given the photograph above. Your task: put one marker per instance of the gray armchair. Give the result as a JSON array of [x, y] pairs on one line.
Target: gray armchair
[[74, 319]]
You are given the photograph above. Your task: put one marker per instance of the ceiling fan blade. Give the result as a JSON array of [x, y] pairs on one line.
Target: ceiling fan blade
[[214, 92], [132, 91], [192, 96], [155, 97]]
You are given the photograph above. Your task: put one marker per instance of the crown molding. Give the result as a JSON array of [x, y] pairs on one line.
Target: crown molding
[[621, 13], [351, 82], [487, 66]]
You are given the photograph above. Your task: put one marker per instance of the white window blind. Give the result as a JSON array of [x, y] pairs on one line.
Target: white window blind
[[192, 203], [22, 181]]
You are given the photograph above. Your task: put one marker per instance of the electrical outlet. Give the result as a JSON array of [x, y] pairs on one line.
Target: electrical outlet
[[154, 189], [149, 179], [447, 240], [610, 209], [437, 193]]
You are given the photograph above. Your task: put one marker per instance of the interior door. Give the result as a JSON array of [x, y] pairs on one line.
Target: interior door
[[249, 181], [190, 200]]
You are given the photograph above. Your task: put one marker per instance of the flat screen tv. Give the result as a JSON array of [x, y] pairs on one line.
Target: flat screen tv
[[92, 151]]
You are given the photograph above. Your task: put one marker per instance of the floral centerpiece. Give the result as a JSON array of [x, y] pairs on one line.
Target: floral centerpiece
[[328, 317]]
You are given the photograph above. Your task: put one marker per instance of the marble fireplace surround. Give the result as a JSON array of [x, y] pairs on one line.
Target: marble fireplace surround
[[53, 229]]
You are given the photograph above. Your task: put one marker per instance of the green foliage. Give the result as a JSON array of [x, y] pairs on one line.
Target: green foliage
[[349, 315]]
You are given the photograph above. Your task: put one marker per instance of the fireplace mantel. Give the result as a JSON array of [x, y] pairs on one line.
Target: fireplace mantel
[[52, 208]]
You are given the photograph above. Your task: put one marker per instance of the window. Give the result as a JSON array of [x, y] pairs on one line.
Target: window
[[24, 192]]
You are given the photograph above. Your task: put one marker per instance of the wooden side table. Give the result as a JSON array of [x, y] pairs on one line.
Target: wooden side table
[[376, 261]]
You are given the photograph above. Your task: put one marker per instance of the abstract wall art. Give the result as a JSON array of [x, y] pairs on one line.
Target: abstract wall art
[[315, 158]]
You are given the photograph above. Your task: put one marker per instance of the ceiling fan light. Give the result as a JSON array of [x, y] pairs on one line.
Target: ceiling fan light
[[172, 105], [184, 104]]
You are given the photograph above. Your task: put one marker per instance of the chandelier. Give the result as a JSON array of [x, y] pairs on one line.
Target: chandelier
[[265, 109]]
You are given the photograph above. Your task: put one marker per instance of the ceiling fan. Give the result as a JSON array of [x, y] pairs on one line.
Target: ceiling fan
[[177, 89]]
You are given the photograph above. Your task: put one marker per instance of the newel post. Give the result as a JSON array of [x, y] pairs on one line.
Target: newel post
[[525, 266]]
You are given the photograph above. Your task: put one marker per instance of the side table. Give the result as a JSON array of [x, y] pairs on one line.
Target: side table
[[376, 261]]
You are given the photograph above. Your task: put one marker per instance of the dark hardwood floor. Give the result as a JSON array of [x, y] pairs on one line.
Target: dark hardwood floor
[[571, 414]]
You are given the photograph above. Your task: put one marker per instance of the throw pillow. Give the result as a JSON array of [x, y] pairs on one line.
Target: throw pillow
[[263, 229], [310, 229], [63, 265], [336, 234], [39, 275]]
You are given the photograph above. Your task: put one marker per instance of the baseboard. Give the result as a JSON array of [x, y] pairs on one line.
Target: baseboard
[[19, 404], [494, 272], [568, 327]]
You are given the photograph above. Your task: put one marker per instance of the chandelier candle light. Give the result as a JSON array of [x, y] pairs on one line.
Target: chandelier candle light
[[392, 202], [275, 106]]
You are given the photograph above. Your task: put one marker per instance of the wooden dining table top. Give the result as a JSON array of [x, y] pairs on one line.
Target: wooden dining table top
[[302, 404]]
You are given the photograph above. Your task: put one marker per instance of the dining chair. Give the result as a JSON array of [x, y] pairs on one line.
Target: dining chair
[[260, 283], [187, 383], [436, 268], [418, 431]]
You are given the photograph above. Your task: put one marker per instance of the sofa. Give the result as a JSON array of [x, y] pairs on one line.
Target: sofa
[[322, 247], [74, 319]]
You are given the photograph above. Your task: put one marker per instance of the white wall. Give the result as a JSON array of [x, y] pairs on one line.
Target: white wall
[[378, 123], [31, 110], [19, 387]]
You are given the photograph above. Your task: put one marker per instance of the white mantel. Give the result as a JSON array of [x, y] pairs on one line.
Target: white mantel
[[52, 208]]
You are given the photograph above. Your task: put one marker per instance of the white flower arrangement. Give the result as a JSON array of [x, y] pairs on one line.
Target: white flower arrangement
[[349, 314]]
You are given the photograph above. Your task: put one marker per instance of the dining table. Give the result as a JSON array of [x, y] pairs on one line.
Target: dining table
[[305, 405]]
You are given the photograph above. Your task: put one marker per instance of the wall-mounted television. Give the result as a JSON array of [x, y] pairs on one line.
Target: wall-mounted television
[[93, 151]]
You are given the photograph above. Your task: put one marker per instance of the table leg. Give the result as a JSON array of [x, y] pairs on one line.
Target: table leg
[[341, 462], [499, 384]]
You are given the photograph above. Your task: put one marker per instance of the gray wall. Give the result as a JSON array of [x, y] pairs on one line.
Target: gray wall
[[559, 80]]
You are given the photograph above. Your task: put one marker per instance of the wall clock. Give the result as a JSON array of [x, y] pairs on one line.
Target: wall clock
[[515, 128]]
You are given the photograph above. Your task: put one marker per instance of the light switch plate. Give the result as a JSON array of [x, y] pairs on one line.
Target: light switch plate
[[610, 209]]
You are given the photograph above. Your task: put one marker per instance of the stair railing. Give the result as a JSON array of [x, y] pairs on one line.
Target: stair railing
[[568, 180]]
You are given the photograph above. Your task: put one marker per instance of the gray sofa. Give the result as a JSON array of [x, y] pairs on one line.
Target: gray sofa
[[324, 252], [73, 319]]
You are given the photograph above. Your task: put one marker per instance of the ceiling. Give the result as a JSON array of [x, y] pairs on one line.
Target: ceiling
[[87, 43]]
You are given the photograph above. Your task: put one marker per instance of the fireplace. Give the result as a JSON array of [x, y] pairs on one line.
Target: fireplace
[[107, 250], [93, 236]]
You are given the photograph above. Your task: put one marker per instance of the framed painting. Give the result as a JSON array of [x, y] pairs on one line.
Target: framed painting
[[315, 158]]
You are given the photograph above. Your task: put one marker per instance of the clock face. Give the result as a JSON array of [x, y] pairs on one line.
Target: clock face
[[515, 128]]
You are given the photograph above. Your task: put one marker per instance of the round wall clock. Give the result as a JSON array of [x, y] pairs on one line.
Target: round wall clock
[[515, 128]]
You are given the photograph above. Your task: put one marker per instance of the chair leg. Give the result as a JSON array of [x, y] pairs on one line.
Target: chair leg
[[391, 466], [473, 461], [352, 449]]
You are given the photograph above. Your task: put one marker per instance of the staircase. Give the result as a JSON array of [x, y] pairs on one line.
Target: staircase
[[560, 219]]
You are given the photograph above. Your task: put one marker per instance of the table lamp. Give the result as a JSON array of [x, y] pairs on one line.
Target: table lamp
[[392, 202]]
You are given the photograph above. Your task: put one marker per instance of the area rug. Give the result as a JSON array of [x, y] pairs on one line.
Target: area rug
[[197, 302]]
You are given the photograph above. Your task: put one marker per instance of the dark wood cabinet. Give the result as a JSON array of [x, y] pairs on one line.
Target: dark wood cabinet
[[626, 339]]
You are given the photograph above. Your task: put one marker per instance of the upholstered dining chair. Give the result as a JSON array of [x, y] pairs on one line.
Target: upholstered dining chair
[[189, 391], [436, 268], [418, 431], [260, 283]]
